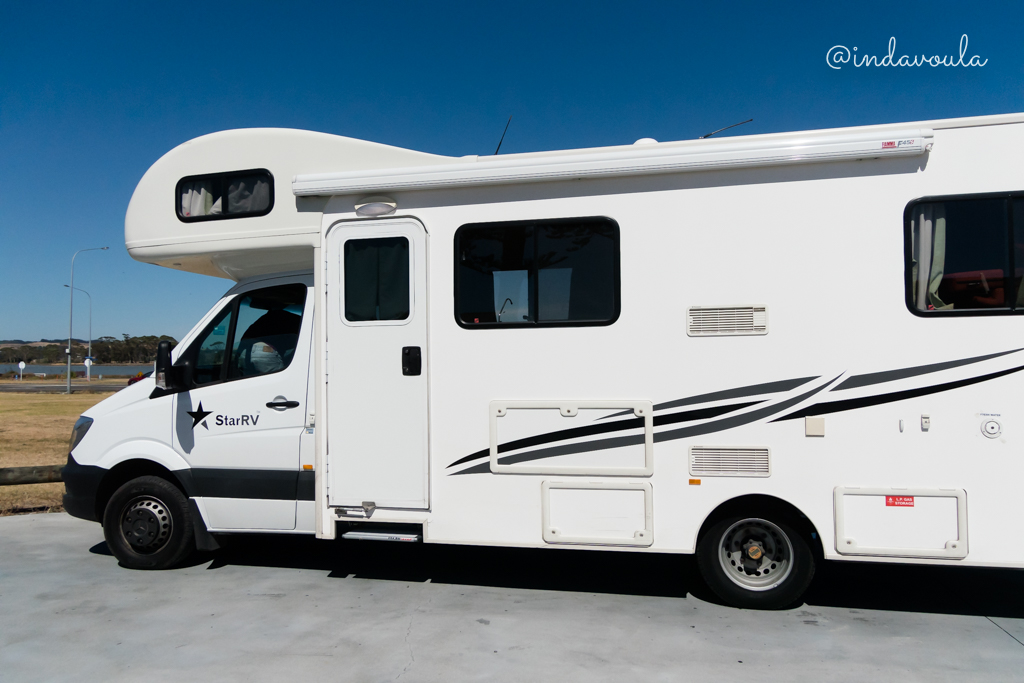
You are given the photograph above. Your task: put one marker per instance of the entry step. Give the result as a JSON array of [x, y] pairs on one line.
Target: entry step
[[400, 533], [381, 536]]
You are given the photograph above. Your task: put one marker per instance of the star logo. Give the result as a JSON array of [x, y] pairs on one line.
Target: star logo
[[198, 415]]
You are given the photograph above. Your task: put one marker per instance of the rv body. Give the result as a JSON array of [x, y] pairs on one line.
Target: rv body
[[759, 336]]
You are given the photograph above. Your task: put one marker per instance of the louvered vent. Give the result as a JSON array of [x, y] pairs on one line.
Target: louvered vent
[[709, 461], [714, 321]]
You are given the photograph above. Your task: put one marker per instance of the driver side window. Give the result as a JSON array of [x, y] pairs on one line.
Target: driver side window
[[261, 329]]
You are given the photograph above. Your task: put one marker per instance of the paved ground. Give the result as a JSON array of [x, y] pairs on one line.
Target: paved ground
[[280, 608]]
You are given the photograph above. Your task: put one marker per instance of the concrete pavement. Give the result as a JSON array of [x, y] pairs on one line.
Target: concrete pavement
[[293, 608]]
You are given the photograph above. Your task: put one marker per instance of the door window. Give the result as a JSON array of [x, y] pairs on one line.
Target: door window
[[267, 332], [377, 279], [261, 328]]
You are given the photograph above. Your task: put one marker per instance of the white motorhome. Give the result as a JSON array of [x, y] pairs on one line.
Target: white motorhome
[[766, 350]]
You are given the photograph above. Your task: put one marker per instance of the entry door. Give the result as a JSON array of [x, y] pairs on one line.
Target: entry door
[[377, 364]]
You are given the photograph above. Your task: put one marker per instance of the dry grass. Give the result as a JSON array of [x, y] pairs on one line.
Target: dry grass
[[34, 430]]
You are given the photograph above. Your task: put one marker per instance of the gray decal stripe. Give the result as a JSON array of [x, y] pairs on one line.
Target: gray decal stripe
[[739, 420], [892, 375], [604, 428], [739, 392], [482, 468], [568, 449], [867, 401], [622, 441]]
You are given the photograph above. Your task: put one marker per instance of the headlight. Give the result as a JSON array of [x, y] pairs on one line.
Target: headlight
[[78, 431]]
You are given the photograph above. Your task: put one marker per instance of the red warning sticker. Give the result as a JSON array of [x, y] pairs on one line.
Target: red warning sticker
[[899, 501]]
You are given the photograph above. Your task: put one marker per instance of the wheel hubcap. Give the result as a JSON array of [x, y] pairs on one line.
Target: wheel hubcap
[[146, 524], [756, 554]]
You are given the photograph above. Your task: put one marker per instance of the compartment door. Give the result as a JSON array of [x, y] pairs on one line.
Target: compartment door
[[377, 364], [901, 522]]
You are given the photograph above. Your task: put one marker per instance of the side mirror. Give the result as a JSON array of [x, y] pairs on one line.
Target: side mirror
[[163, 366], [170, 379]]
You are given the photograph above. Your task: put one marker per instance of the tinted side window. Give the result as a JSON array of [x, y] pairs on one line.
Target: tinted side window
[[224, 195], [261, 330], [961, 257], [557, 272], [267, 332]]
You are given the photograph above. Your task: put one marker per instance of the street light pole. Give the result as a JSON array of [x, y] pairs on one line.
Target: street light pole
[[71, 306], [88, 367]]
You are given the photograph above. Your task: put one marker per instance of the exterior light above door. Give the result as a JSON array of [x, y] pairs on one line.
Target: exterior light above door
[[376, 206]]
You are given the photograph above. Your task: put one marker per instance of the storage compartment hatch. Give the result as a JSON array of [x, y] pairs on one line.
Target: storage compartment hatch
[[901, 522], [598, 513]]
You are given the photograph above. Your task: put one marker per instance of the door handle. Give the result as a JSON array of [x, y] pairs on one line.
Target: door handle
[[283, 404], [412, 360]]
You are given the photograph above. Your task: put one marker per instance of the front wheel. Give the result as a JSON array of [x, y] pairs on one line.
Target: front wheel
[[755, 562], [147, 524]]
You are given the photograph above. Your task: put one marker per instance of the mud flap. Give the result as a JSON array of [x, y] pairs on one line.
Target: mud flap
[[204, 539]]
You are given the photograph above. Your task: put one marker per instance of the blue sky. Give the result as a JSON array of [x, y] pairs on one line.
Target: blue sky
[[92, 94]]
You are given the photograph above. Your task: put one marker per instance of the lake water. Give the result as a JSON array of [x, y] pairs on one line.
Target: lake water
[[97, 370]]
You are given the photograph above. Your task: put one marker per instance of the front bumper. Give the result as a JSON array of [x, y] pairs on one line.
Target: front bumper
[[81, 484]]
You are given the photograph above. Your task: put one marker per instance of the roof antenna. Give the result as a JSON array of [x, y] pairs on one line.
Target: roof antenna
[[503, 135], [720, 129]]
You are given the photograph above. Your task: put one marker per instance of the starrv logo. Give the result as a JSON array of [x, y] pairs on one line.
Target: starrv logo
[[199, 416]]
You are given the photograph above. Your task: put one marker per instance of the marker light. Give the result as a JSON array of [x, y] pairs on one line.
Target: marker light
[[376, 206]]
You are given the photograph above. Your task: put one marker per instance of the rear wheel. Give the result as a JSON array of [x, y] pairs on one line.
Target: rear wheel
[[755, 562], [147, 524]]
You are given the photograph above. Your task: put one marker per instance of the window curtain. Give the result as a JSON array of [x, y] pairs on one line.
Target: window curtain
[[929, 228], [248, 194], [377, 279], [197, 200]]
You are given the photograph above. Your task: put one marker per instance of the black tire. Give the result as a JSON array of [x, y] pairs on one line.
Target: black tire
[[148, 525], [776, 579]]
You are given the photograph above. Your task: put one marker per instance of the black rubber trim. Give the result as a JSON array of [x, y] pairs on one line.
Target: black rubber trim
[[892, 375], [210, 482], [854, 403], [81, 483], [605, 428], [307, 485]]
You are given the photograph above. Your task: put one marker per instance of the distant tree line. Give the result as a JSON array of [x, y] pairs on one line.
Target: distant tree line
[[128, 349]]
